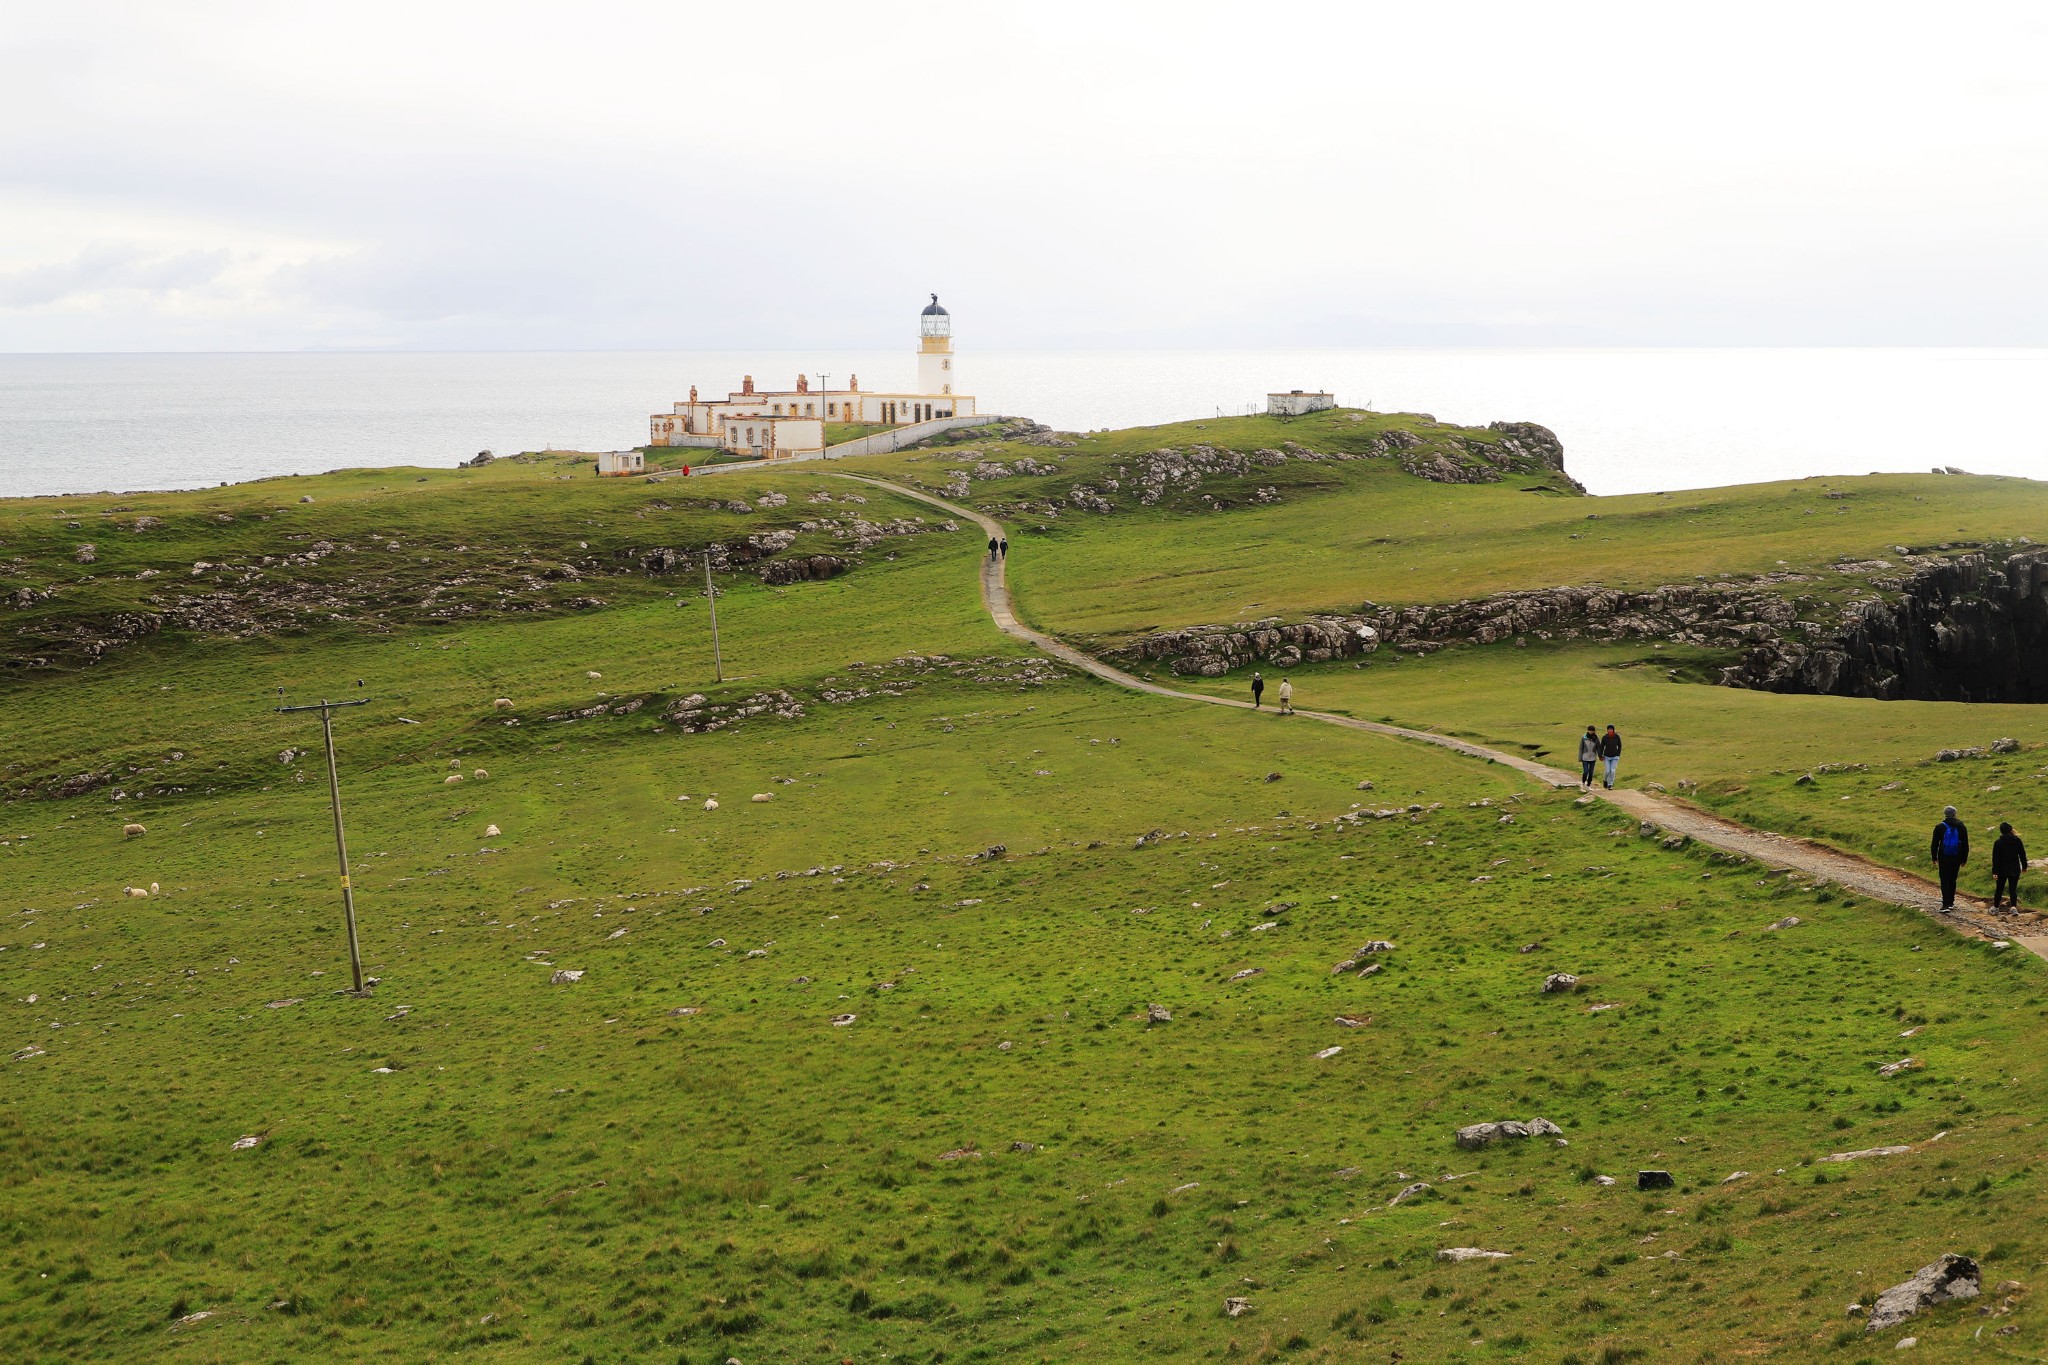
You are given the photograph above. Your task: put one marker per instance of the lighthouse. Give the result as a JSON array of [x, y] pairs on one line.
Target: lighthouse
[[935, 349]]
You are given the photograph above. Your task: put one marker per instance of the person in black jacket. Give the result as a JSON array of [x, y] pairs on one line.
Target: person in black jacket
[[1949, 850], [1610, 754], [2008, 860], [1258, 688]]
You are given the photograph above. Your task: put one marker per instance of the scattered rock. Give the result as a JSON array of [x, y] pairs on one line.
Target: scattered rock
[[245, 1142], [1559, 981], [1023, 1146], [1158, 1014], [1354, 1020], [1474, 1136], [1272, 777], [2005, 746], [1529, 948], [842, 1020], [1246, 974], [1471, 1254], [1605, 1180], [1789, 922], [1378, 945], [1408, 1192], [1947, 1280], [960, 1154], [566, 976], [684, 1011], [1860, 1153], [1734, 1176], [1235, 1307], [1903, 1064], [1328, 1053], [1654, 1180]]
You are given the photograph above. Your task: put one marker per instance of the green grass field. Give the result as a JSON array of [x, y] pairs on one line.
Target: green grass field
[[478, 1162]]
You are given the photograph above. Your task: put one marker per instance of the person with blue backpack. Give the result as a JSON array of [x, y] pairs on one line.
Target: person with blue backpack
[[1949, 850]]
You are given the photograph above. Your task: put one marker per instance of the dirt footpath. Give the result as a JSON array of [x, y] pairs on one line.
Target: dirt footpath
[[1857, 874]]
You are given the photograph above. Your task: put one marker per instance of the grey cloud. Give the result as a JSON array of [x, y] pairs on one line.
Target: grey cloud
[[106, 266]]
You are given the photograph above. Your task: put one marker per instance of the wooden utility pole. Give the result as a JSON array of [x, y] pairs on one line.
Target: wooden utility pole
[[711, 595], [348, 895]]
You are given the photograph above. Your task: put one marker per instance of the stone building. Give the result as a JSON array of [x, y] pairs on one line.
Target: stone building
[[1297, 403]]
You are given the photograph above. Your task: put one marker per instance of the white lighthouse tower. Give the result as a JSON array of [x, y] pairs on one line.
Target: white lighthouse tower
[[935, 350]]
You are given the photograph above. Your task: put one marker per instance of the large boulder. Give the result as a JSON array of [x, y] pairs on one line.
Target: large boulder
[[1944, 1281], [1474, 1136]]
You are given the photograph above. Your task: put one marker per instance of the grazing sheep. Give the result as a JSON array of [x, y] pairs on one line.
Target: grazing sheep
[[502, 704], [135, 891], [451, 779], [153, 888], [490, 831], [454, 762], [593, 675], [132, 831], [710, 803], [481, 773], [763, 796]]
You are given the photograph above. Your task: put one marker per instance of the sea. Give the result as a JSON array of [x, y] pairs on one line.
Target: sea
[[1631, 420]]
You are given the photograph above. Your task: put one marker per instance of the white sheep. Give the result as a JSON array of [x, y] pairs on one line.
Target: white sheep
[[502, 704], [593, 675], [481, 773], [454, 762], [451, 779], [710, 803], [132, 831], [135, 891], [490, 831], [760, 797], [153, 888]]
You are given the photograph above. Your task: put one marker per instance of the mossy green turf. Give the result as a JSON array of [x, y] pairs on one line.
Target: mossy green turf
[[576, 1173]]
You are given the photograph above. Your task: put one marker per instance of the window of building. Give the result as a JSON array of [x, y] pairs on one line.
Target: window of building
[[831, 409]]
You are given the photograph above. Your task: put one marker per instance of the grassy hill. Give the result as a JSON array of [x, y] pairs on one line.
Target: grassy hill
[[996, 866]]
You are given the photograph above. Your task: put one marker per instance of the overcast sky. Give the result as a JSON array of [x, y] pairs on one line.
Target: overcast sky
[[434, 175]]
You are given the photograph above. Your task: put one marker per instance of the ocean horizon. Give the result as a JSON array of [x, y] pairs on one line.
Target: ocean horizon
[[1630, 419]]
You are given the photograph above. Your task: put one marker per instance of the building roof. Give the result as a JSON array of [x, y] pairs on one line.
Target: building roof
[[932, 309]]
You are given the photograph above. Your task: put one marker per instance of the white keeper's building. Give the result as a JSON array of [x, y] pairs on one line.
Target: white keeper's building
[[780, 424]]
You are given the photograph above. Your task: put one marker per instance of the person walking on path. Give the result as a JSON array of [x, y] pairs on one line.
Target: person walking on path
[[1610, 754], [991, 547], [1258, 688], [1287, 696], [2008, 860], [1949, 850], [1003, 548], [1589, 757]]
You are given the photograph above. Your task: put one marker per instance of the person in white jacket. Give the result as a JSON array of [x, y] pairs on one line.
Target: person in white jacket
[[1287, 696]]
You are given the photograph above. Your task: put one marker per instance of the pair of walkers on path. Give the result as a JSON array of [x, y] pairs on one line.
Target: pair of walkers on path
[[1949, 850], [1259, 694], [998, 548], [1596, 749]]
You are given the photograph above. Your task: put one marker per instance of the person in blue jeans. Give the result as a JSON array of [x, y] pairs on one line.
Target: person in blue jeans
[[1589, 757], [1610, 754], [1949, 850]]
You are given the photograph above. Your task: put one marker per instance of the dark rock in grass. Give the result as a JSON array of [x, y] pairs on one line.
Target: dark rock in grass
[[1947, 1280], [1474, 1136], [1559, 981], [1789, 922], [2005, 746], [1654, 1180], [1415, 1191], [1236, 1307], [1023, 1146], [804, 569], [1272, 777], [1378, 945], [1158, 1014], [1529, 948], [566, 977]]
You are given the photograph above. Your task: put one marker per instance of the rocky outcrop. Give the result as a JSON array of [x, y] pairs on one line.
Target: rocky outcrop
[[803, 569], [1716, 614], [1964, 629]]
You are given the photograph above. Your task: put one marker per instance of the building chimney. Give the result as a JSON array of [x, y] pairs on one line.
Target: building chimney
[[746, 384], [853, 383]]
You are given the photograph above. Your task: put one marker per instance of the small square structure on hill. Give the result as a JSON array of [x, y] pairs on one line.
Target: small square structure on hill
[[619, 464], [1297, 403]]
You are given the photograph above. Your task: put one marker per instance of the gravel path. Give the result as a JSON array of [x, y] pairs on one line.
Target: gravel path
[[1857, 874]]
